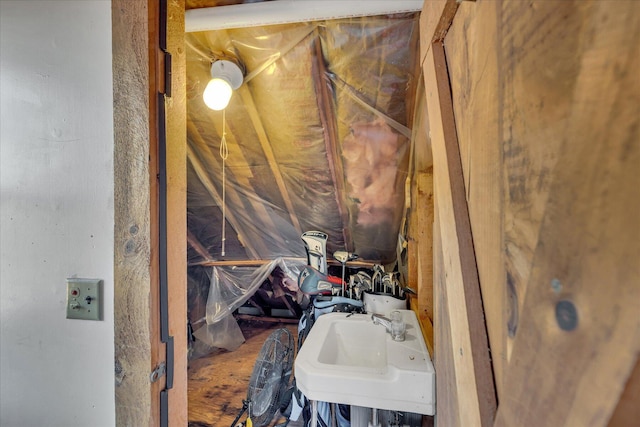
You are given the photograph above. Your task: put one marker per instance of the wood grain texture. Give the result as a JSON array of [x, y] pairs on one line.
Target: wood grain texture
[[420, 255], [157, 82], [587, 248], [132, 233], [472, 59], [138, 349], [419, 221], [628, 411], [446, 402], [422, 155], [218, 383], [424, 243], [474, 377], [534, 76], [435, 19], [465, 388], [535, 106], [176, 112], [196, 4]]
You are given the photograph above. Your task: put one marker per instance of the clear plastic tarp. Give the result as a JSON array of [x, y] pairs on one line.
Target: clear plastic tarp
[[318, 138], [230, 287]]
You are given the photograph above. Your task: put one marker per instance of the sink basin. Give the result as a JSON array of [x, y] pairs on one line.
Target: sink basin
[[347, 359], [353, 343]]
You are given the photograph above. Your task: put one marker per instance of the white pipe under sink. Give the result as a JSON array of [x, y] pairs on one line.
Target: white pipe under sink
[[290, 11]]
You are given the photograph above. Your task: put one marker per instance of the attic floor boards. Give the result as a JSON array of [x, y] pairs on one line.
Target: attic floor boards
[[218, 383]]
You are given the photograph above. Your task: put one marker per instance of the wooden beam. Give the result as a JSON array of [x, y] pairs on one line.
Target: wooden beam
[[447, 409], [420, 253], [324, 97], [251, 262], [137, 63], [263, 139], [426, 326], [242, 263], [157, 84], [176, 155], [474, 377], [424, 243], [472, 62], [435, 19], [422, 155], [197, 246], [533, 113], [132, 230], [249, 104]]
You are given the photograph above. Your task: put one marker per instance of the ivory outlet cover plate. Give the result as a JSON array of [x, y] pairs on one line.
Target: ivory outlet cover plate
[[84, 299]]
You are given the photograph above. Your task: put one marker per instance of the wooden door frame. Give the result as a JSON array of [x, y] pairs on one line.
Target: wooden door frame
[[137, 61], [137, 348]]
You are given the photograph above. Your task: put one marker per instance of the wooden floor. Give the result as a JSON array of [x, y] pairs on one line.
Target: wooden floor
[[218, 383]]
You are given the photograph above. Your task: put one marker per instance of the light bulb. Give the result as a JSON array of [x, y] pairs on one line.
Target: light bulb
[[217, 94]]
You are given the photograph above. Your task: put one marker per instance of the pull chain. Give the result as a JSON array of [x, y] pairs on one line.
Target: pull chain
[[224, 153]]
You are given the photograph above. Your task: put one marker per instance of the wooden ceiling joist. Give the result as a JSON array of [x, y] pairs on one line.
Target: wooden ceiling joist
[[324, 96], [243, 263], [250, 105], [197, 246], [257, 262], [265, 144]]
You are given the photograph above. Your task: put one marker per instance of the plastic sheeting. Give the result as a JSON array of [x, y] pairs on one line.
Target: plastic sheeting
[[229, 288], [318, 138]]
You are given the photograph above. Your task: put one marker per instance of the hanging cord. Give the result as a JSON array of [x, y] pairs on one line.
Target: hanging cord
[[224, 153]]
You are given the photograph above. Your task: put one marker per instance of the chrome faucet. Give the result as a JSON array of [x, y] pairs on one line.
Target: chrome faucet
[[395, 327], [379, 319]]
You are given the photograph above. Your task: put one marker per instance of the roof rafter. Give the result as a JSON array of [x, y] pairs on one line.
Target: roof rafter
[[265, 144], [250, 105], [197, 246], [322, 86]]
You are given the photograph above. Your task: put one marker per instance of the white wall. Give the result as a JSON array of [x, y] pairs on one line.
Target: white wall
[[56, 211]]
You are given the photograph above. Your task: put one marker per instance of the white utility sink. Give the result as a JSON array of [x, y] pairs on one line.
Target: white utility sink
[[348, 359]]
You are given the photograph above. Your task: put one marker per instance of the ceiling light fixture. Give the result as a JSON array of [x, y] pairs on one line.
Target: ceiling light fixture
[[226, 77]]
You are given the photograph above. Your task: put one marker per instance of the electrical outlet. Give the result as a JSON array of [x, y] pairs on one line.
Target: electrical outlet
[[84, 299]]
